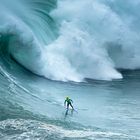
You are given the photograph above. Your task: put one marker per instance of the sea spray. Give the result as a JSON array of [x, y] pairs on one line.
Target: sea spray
[[73, 40]]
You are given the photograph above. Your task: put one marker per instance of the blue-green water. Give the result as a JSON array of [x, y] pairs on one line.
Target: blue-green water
[[32, 107], [87, 50]]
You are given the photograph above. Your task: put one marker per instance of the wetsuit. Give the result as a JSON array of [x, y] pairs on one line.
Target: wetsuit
[[69, 103]]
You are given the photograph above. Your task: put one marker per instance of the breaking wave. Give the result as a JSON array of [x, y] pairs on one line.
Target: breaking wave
[[70, 40]]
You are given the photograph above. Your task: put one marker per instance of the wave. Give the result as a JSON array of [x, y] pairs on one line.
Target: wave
[[72, 40], [23, 129]]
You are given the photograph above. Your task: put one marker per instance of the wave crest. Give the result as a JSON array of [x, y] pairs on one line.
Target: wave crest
[[69, 43]]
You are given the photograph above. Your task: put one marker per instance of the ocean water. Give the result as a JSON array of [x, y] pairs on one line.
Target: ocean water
[[87, 50]]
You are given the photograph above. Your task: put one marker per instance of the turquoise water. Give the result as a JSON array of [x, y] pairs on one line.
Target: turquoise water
[[103, 110], [87, 50]]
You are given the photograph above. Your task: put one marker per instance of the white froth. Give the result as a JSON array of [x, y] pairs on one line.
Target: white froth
[[30, 129], [95, 38]]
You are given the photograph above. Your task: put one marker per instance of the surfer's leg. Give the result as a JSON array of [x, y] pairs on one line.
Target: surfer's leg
[[71, 106], [68, 105], [66, 113]]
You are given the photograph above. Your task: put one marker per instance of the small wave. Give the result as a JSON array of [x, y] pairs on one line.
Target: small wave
[[30, 129]]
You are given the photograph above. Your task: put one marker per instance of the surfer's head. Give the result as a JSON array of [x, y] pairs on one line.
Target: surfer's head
[[67, 98]]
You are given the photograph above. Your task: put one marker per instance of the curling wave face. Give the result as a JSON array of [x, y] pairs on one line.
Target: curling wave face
[[72, 40]]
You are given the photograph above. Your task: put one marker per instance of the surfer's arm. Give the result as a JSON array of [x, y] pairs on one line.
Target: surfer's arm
[[71, 100]]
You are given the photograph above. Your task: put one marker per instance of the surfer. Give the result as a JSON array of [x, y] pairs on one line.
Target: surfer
[[69, 103]]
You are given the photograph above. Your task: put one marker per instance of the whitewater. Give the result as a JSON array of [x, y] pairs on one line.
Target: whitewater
[[86, 49]]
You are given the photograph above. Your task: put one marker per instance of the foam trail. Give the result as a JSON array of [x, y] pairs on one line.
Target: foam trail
[[54, 131]]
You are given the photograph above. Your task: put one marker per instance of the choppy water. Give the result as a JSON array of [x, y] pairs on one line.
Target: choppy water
[[32, 107], [93, 57]]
